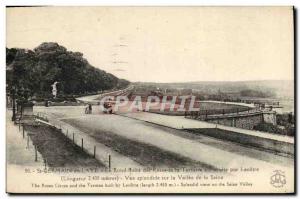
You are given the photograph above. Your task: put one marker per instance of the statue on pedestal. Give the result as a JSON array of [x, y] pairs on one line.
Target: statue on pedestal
[[54, 89]]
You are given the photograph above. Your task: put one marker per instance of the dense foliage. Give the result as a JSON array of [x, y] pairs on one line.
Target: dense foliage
[[38, 69], [255, 93], [268, 127], [285, 119]]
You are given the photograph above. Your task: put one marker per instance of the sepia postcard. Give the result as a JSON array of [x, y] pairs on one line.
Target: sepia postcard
[[150, 100]]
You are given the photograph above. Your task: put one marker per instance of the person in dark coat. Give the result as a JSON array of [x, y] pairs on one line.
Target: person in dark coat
[[90, 109]]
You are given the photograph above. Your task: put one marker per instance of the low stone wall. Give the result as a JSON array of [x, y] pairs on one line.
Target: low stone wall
[[247, 140], [244, 120]]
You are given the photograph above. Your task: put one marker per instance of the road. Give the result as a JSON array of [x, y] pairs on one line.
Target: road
[[180, 122], [95, 98], [202, 149], [234, 103]]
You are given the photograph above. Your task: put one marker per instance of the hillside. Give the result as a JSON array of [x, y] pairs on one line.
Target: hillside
[[263, 88], [37, 69]]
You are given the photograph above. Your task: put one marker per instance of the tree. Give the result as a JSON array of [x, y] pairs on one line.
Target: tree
[[37, 69]]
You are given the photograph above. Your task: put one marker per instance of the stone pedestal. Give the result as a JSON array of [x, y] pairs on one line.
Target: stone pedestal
[[270, 117]]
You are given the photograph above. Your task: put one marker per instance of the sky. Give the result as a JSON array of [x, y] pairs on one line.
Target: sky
[[166, 44]]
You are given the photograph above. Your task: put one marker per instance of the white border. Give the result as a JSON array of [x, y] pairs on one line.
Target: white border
[[5, 3], [147, 3]]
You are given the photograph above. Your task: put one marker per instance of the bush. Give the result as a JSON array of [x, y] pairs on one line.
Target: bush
[[268, 127], [285, 119]]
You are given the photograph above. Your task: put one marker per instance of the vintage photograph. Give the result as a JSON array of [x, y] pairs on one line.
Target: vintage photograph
[[150, 100]]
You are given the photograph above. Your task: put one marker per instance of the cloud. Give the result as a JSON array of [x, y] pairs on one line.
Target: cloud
[[120, 70], [120, 62]]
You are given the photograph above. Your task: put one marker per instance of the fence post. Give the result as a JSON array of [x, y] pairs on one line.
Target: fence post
[[45, 161], [23, 133], [94, 151], [73, 139], [19, 124], [35, 150], [82, 144], [109, 162], [27, 141]]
